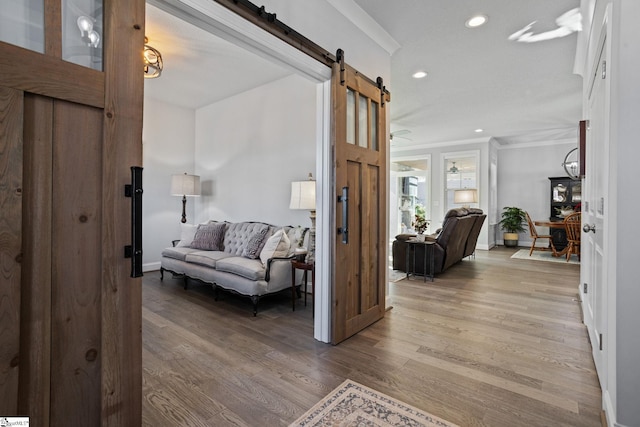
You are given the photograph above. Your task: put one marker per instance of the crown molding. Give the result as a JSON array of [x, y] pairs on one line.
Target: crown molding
[[538, 144], [440, 144]]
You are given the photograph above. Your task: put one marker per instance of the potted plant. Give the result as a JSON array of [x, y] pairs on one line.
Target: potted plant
[[420, 223], [512, 222]]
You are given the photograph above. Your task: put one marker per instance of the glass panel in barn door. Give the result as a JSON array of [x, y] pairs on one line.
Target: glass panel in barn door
[[22, 23], [363, 141], [82, 34], [374, 126], [351, 116]]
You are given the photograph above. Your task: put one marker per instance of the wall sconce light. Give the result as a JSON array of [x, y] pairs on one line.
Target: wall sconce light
[[152, 61], [87, 33], [185, 185], [303, 196]]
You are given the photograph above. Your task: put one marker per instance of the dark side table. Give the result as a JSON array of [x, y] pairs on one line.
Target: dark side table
[[427, 260], [301, 265]]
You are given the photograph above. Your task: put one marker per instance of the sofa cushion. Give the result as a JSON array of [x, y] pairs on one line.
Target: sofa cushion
[[207, 258], [237, 235], [177, 253], [276, 246], [187, 233], [209, 237], [251, 269], [255, 243]]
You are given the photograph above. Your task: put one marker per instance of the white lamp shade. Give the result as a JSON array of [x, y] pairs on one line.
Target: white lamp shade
[[465, 196], [303, 195], [185, 185]]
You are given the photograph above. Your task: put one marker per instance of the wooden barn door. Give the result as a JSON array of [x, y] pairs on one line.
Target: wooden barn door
[[70, 335], [361, 181]]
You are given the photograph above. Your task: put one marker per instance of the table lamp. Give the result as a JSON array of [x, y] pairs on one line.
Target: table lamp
[[303, 196], [185, 185]]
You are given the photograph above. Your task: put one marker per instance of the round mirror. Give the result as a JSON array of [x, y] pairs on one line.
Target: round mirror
[[571, 164]]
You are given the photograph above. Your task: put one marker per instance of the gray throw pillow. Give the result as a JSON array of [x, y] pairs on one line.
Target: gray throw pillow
[[209, 237], [254, 244]]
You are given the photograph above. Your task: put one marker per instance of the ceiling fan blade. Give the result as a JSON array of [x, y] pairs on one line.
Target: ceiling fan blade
[[398, 134]]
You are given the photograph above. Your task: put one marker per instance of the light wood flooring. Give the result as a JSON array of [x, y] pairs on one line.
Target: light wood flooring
[[492, 342]]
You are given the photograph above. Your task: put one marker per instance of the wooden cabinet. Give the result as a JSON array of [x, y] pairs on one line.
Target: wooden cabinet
[[565, 198]]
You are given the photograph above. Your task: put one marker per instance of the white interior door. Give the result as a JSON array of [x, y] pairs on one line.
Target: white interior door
[[594, 286]]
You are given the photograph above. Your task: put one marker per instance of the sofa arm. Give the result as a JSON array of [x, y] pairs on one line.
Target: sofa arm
[[275, 261]]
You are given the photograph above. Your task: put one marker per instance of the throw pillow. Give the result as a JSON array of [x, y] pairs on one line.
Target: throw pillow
[[187, 233], [276, 246], [209, 237], [296, 238], [254, 244]]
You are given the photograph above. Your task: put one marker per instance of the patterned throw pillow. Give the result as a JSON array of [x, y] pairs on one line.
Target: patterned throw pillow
[[296, 238], [254, 244], [209, 237], [276, 246]]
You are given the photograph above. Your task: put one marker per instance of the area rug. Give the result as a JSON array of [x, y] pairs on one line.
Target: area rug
[[396, 275], [352, 404], [544, 256]]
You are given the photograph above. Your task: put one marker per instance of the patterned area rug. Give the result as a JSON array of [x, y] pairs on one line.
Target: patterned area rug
[[396, 275], [352, 404], [544, 256]]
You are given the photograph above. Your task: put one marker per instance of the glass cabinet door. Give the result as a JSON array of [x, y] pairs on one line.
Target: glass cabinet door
[[559, 192]]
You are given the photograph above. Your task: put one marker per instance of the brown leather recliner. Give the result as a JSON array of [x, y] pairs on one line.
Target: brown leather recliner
[[456, 240]]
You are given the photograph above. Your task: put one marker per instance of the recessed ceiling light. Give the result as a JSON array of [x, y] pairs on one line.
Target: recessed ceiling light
[[419, 74], [479, 130], [476, 21]]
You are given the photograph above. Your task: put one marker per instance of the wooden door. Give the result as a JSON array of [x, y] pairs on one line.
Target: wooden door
[[594, 254], [360, 148], [70, 336]]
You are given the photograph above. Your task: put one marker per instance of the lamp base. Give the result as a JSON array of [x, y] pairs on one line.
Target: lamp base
[[311, 254], [184, 209]]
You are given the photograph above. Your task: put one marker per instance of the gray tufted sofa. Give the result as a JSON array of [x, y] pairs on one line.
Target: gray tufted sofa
[[229, 269]]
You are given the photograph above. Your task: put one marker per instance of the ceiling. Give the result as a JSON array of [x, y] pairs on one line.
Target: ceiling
[[477, 78], [200, 68]]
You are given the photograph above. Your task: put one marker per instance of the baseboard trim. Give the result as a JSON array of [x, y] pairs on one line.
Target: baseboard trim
[[152, 266]]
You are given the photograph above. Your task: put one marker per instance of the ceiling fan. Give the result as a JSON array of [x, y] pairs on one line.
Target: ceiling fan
[[453, 169], [399, 134]]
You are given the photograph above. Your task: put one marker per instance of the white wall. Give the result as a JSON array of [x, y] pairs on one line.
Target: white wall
[[250, 147], [523, 174], [168, 141]]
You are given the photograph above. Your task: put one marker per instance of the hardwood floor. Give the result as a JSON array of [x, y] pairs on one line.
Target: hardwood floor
[[492, 342]]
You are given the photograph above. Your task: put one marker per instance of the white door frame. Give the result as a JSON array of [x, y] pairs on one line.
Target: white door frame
[[220, 21]]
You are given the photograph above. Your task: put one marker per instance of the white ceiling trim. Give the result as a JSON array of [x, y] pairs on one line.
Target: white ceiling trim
[[439, 144], [538, 144], [220, 21], [366, 24]]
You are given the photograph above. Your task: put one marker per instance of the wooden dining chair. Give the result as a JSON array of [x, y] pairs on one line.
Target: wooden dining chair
[[573, 224], [533, 233]]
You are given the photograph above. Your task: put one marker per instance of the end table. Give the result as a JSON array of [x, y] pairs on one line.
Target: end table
[[428, 257], [306, 266]]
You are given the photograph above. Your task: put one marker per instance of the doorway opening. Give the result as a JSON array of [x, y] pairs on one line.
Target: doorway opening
[[246, 148]]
